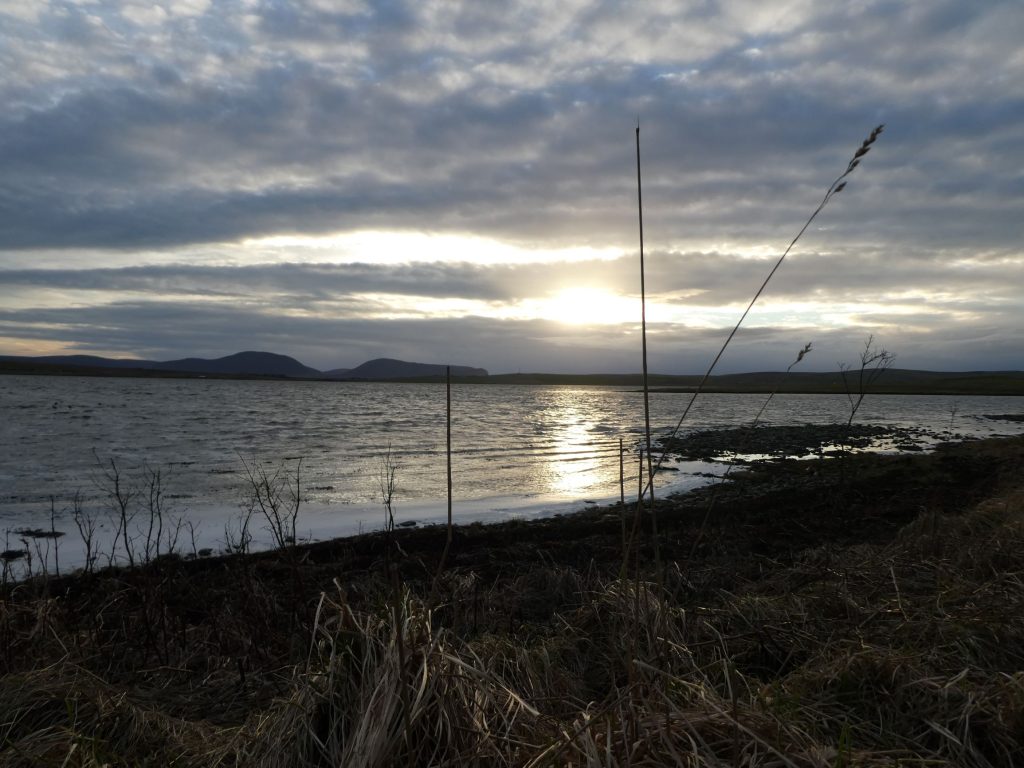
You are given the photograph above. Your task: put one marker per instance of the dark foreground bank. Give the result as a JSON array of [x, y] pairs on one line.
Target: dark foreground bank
[[863, 611]]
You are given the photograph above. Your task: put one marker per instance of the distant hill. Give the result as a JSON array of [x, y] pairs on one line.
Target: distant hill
[[79, 361], [240, 364], [259, 363], [267, 364], [386, 368]]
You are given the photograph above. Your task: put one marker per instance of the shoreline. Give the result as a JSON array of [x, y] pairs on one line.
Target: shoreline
[[711, 458], [919, 383], [755, 483]]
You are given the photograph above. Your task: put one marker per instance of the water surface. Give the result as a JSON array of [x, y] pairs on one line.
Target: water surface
[[521, 450]]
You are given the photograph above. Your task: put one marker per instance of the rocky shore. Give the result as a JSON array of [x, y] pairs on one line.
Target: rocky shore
[[778, 442]]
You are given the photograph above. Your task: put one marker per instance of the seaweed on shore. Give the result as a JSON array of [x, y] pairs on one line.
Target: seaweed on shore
[[786, 441]]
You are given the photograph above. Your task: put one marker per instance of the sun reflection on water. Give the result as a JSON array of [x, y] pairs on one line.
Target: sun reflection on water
[[581, 460]]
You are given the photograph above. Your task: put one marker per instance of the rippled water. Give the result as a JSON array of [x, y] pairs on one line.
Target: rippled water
[[516, 449]]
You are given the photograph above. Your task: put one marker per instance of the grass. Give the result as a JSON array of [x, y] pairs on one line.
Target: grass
[[892, 633]]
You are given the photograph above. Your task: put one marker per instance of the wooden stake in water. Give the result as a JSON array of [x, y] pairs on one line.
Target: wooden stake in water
[[643, 341], [628, 544], [622, 476], [640, 489], [622, 492], [448, 438], [448, 454]]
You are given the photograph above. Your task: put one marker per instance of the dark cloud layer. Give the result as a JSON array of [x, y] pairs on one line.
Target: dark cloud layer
[[168, 136]]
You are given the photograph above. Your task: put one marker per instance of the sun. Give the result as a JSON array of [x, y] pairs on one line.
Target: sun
[[589, 306]]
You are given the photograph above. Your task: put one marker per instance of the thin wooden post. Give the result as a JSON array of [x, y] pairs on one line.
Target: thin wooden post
[[622, 492], [622, 476], [448, 455], [448, 439], [643, 338], [629, 545]]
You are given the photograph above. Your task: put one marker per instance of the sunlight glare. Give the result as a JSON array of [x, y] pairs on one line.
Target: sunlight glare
[[588, 306]]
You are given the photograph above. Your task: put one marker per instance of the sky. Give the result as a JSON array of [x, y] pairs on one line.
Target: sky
[[455, 182]]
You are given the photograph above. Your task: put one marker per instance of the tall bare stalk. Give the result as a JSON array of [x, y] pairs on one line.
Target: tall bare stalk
[[277, 496], [873, 363], [392, 550], [85, 521], [834, 189], [121, 498], [55, 536]]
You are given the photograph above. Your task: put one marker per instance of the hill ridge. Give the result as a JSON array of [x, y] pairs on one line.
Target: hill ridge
[[246, 363]]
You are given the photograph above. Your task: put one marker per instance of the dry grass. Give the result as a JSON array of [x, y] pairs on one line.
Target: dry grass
[[64, 715], [345, 707]]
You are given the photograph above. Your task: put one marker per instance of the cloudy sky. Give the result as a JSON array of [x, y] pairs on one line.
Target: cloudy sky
[[449, 181]]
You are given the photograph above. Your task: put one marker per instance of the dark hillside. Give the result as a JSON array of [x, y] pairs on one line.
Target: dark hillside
[[386, 368]]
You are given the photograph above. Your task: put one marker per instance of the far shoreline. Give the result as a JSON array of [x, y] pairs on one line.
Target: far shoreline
[[896, 382]]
